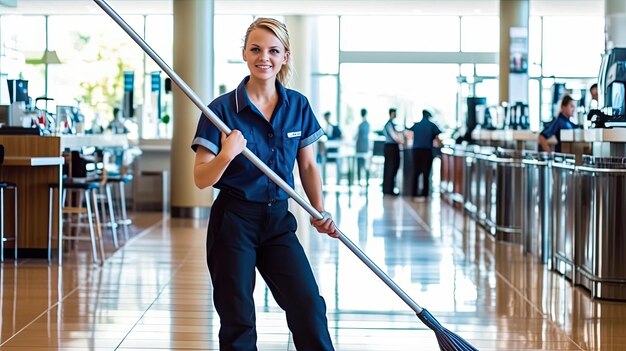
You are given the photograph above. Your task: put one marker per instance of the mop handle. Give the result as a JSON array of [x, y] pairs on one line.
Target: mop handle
[[251, 156]]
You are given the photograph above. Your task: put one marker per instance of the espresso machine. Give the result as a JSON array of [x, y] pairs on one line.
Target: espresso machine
[[611, 110]]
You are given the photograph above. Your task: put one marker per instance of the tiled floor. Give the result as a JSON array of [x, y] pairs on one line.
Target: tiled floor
[[155, 293]]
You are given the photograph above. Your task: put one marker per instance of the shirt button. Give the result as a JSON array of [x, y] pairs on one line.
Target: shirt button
[[271, 161], [270, 134], [273, 149]]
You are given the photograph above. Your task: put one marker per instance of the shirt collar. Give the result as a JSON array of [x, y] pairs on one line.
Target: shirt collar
[[241, 96]]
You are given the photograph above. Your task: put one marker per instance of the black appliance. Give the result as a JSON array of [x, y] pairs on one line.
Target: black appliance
[[611, 110], [473, 105]]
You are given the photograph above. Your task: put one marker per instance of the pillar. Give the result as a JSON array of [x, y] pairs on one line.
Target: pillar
[[193, 62], [615, 23], [513, 24], [300, 41]]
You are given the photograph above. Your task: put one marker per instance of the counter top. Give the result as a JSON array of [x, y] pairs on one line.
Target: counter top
[[616, 135], [32, 161], [99, 140], [505, 135]]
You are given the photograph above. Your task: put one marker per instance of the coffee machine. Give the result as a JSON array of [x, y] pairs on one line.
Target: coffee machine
[[611, 110]]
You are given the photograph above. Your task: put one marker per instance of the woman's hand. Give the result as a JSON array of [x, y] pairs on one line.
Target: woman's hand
[[326, 225], [233, 144]]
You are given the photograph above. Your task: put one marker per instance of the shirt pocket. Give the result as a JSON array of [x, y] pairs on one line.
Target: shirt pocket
[[291, 145]]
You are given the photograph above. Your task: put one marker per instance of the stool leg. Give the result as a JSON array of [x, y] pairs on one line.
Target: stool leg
[[94, 252], [166, 205], [107, 189], [125, 221], [1, 224], [50, 193], [15, 221], [98, 225]]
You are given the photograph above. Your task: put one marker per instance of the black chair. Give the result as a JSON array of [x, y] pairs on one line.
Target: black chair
[[7, 186]]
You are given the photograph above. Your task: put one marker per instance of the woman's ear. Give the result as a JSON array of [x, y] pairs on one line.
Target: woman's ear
[[287, 55]]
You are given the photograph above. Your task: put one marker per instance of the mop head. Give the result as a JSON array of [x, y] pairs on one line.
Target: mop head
[[448, 341]]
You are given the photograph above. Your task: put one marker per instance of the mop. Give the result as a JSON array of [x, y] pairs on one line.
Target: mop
[[448, 341]]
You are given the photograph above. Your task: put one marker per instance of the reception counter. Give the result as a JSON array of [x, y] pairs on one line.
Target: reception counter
[[33, 163]]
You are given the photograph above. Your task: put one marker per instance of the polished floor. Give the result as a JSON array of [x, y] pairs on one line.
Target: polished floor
[[155, 292]]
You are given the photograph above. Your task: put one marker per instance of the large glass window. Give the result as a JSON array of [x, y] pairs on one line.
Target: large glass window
[[480, 33], [400, 33], [94, 54], [408, 87], [23, 40], [571, 49], [230, 31]]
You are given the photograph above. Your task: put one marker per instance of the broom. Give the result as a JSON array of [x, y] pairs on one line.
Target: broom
[[448, 341]]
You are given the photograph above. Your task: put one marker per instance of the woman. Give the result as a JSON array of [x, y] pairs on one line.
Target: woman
[[250, 225], [568, 108]]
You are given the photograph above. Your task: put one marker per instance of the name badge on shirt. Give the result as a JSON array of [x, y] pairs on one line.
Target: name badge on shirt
[[294, 134]]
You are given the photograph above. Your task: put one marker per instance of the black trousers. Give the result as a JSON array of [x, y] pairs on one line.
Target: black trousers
[[243, 236], [422, 166], [390, 168]]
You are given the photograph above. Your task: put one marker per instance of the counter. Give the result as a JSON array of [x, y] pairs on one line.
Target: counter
[[617, 135], [33, 163], [507, 138]]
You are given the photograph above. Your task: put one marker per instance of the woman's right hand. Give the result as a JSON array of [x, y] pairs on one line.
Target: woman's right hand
[[233, 144]]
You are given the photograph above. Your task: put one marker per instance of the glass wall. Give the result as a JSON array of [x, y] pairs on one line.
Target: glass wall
[[94, 54]]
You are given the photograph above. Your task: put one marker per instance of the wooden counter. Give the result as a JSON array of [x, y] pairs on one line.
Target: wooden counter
[[32, 162]]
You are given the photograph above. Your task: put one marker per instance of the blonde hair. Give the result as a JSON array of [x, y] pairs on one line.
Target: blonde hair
[[280, 31]]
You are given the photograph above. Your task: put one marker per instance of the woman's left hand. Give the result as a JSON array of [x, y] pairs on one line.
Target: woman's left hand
[[326, 225]]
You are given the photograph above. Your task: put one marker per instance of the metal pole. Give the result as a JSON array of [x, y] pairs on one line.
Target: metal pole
[[252, 157]]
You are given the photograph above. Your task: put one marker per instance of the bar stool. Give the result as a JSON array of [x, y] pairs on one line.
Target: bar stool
[[89, 190], [120, 199], [92, 167], [7, 186]]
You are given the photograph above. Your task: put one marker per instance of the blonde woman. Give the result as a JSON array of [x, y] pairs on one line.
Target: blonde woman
[[250, 225]]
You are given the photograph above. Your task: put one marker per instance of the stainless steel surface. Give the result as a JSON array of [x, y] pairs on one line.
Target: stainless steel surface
[[564, 213], [485, 180], [508, 195], [536, 219], [600, 242], [471, 179]]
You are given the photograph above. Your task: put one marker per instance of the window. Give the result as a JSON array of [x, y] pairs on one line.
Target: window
[[480, 33], [571, 49], [400, 33]]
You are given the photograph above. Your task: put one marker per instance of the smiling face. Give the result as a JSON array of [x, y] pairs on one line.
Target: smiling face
[[264, 54]]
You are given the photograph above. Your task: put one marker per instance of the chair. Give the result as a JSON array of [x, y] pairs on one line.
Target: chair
[[81, 190], [72, 205], [7, 186]]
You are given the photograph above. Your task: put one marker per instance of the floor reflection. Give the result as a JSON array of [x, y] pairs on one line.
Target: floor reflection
[[155, 293]]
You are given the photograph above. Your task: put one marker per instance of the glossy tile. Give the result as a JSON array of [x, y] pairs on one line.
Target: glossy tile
[[155, 292]]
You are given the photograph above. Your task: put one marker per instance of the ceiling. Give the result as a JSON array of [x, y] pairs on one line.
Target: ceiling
[[313, 7]]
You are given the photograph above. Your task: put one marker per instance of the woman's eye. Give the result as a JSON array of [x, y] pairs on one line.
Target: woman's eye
[[255, 50]]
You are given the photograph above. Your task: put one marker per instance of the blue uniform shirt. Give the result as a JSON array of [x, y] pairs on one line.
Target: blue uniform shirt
[[424, 132], [292, 126], [554, 129]]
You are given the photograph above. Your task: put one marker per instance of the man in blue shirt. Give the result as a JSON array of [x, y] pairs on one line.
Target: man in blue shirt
[[425, 134], [568, 108]]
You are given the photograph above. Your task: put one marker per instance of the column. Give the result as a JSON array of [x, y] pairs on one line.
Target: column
[[615, 25], [513, 44], [193, 62], [300, 41]]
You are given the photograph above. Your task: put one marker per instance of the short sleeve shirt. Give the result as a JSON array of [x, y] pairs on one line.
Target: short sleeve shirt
[[424, 132], [388, 130], [292, 126], [555, 127]]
